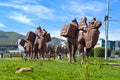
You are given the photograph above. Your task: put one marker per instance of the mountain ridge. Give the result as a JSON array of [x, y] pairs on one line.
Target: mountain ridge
[[12, 38]]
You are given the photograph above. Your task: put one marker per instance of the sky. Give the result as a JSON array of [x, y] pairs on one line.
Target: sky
[[22, 16]]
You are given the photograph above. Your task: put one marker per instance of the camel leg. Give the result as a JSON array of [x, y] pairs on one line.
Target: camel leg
[[88, 53], [82, 56], [74, 48], [69, 54], [69, 57], [81, 51], [43, 57], [35, 55]]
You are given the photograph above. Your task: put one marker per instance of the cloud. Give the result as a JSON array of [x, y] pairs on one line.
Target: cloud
[[23, 1], [56, 33], [2, 25], [32, 9], [84, 8], [21, 18], [39, 10], [112, 35]]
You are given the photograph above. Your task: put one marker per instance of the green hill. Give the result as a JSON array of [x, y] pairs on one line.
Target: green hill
[[9, 37], [56, 41], [12, 38]]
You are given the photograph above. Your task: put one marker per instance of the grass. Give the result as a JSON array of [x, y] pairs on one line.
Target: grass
[[58, 70]]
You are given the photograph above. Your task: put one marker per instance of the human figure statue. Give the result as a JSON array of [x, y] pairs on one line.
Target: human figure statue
[[38, 31]]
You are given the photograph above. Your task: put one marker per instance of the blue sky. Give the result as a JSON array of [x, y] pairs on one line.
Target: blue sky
[[25, 15]]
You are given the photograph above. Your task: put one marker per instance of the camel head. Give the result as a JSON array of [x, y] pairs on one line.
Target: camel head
[[98, 24]]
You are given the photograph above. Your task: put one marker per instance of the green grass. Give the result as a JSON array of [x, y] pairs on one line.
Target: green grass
[[58, 70]]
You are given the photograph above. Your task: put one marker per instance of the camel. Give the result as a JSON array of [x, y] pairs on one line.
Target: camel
[[86, 37], [50, 51], [40, 44], [27, 48], [72, 44]]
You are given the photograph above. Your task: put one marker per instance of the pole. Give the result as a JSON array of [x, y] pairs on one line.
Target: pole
[[106, 29]]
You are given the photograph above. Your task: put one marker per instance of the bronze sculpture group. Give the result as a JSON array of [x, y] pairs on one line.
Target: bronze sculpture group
[[82, 37], [34, 44]]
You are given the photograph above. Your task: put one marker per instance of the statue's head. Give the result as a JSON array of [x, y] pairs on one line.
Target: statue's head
[[74, 20], [93, 20], [38, 27], [98, 23], [84, 18]]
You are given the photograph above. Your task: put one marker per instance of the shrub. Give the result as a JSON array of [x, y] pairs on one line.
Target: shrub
[[100, 52], [116, 52], [92, 52]]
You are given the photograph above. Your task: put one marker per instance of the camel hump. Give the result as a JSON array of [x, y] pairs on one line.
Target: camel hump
[[74, 22], [83, 23]]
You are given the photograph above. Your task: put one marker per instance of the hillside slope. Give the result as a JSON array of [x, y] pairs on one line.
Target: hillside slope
[[9, 37], [12, 38]]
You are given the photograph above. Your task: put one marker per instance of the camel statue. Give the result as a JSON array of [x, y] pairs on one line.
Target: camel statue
[[40, 43], [71, 41], [50, 51], [27, 48], [88, 36]]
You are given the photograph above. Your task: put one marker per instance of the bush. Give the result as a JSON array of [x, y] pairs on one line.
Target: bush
[[100, 52], [116, 52], [92, 52]]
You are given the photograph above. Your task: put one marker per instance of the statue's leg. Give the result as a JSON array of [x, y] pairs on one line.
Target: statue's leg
[[81, 51], [88, 53], [69, 57], [43, 57], [31, 54], [82, 56], [74, 48], [69, 53]]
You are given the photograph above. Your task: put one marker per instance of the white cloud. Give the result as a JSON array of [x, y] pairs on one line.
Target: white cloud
[[56, 33], [40, 11], [2, 25], [23, 1], [21, 18], [112, 35], [83, 8], [34, 9]]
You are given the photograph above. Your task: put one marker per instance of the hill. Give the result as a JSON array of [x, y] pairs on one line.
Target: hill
[[12, 38], [9, 37], [56, 41]]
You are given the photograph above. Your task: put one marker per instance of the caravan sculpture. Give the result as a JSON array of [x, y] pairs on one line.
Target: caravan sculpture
[[34, 44], [80, 36]]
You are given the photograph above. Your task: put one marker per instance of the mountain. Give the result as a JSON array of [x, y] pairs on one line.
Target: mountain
[[12, 38], [56, 41], [9, 37]]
